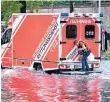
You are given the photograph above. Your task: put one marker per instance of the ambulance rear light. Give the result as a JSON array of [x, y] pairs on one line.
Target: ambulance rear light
[[83, 15], [76, 15], [63, 66], [89, 15], [64, 14]]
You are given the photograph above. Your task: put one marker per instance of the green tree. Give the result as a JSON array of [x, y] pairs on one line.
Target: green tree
[[9, 7], [33, 5]]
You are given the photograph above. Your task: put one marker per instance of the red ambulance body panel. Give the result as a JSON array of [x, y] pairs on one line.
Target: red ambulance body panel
[[37, 39]]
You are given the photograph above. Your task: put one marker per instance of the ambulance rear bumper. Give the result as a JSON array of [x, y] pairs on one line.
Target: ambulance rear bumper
[[77, 64]]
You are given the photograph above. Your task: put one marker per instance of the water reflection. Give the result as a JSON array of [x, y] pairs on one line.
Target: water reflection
[[105, 95], [35, 87]]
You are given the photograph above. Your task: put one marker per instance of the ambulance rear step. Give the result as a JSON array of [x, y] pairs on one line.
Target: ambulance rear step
[[75, 64]]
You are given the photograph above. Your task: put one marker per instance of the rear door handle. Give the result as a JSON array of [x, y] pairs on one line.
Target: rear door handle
[[64, 42], [98, 42]]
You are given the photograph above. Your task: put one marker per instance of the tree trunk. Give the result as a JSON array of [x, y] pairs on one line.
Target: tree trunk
[[71, 7], [23, 8]]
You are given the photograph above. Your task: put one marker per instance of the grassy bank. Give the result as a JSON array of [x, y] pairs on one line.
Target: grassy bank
[[107, 53]]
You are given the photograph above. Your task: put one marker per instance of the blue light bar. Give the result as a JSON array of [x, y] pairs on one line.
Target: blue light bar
[[101, 14], [64, 14]]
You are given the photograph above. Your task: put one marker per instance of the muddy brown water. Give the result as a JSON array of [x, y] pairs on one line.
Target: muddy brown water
[[23, 85]]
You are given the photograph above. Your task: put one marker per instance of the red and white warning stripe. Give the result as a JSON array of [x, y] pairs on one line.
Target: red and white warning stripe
[[72, 54], [50, 45], [15, 26]]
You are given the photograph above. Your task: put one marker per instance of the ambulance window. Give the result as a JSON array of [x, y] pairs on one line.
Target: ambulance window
[[6, 36], [71, 31], [89, 31]]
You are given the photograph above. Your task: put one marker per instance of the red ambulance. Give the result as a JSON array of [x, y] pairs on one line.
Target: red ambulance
[[44, 41]]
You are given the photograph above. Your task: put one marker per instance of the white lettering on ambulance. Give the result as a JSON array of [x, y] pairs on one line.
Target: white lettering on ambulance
[[44, 38], [80, 21], [47, 40]]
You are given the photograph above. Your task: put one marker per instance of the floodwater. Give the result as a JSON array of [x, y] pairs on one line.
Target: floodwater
[[22, 85]]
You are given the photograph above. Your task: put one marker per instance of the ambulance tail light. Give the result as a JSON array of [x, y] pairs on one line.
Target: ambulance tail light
[[64, 14], [63, 66], [95, 65]]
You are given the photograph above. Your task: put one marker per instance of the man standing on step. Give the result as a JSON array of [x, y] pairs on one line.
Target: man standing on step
[[84, 51]]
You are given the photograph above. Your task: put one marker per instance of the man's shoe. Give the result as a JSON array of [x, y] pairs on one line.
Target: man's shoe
[[81, 70]]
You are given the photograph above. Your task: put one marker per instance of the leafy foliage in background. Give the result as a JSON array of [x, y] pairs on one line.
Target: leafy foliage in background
[[33, 5], [9, 7], [36, 4]]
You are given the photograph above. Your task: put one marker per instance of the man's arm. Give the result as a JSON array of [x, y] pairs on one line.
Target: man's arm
[[83, 48]]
